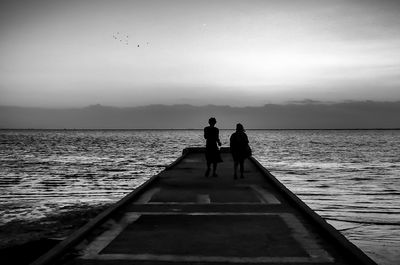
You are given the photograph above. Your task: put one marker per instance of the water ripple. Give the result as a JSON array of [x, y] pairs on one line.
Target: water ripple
[[351, 178]]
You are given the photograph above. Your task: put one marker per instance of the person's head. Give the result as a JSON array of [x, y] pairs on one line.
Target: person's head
[[212, 121], [239, 127]]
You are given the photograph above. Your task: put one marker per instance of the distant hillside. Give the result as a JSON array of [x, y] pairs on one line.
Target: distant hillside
[[305, 115]]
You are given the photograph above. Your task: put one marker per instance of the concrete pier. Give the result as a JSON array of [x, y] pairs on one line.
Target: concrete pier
[[182, 217]]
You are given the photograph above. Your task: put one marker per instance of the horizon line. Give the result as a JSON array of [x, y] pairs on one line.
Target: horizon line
[[291, 102], [197, 129]]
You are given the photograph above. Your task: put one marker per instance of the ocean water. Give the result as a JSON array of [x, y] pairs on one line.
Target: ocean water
[[350, 177]]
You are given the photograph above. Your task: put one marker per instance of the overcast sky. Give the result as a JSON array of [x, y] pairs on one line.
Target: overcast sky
[[129, 53]]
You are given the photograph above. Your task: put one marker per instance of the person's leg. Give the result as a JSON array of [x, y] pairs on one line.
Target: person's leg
[[241, 168], [215, 169], [235, 165], [208, 169]]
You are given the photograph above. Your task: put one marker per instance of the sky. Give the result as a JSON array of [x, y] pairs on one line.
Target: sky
[[240, 53]]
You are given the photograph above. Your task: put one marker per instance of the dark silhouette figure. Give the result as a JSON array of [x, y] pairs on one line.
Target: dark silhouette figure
[[240, 149], [211, 134]]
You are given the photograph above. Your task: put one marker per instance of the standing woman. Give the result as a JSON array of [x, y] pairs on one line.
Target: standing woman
[[240, 149], [211, 134]]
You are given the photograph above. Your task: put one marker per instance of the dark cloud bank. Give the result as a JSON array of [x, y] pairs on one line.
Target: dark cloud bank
[[297, 115]]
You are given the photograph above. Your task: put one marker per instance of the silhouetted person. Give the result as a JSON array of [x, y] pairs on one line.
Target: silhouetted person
[[240, 149], [211, 134]]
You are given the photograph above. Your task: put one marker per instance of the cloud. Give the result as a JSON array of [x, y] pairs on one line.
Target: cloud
[[62, 53], [306, 114]]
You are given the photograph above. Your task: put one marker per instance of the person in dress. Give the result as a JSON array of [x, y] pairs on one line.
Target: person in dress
[[240, 149], [213, 157]]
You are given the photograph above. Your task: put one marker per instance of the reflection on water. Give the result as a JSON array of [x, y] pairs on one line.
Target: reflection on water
[[351, 178], [48, 171]]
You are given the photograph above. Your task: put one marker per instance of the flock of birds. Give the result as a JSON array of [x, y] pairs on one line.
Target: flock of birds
[[124, 38]]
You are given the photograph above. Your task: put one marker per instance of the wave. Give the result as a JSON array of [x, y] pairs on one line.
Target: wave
[[339, 175], [115, 169], [156, 166], [363, 222]]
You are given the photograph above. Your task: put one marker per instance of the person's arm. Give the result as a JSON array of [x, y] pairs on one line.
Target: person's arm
[[218, 141], [246, 139], [205, 133]]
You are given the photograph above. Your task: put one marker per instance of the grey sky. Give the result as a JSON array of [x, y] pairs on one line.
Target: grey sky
[[64, 53]]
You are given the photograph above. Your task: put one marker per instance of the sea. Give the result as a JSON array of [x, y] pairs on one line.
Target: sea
[[349, 177]]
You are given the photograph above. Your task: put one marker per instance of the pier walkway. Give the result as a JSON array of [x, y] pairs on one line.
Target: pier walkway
[[182, 217]]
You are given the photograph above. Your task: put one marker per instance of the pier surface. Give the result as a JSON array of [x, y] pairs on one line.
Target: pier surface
[[183, 217]]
